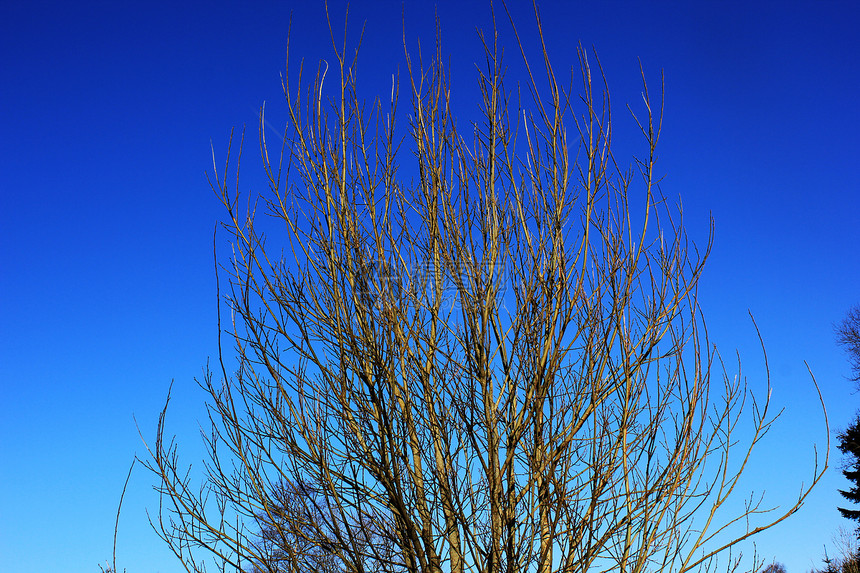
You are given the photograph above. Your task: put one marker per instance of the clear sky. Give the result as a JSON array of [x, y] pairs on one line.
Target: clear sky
[[106, 276]]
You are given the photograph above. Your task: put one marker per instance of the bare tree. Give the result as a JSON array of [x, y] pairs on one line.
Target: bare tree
[[291, 532], [848, 335], [848, 550], [774, 568], [847, 559], [494, 363]]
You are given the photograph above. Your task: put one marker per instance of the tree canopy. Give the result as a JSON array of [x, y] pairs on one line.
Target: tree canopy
[[463, 348]]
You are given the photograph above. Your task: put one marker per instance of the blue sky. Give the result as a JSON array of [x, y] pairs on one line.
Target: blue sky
[[106, 277]]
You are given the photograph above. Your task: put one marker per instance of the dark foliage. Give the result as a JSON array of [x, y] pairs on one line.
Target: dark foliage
[[848, 335], [849, 445]]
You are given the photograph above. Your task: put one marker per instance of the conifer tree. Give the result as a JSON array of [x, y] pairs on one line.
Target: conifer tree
[[848, 336], [849, 445]]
